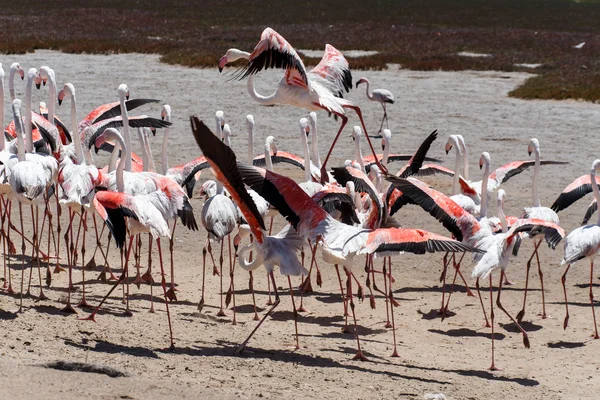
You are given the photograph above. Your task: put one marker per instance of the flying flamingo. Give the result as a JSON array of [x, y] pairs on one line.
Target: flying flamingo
[[382, 96], [319, 89], [307, 219], [583, 242]]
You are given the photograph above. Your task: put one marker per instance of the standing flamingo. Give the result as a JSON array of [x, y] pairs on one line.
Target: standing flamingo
[[583, 242], [319, 89], [382, 96]]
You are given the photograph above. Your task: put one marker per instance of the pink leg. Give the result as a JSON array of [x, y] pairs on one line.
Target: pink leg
[[295, 313], [359, 354], [362, 122], [592, 299], [162, 272], [324, 176], [521, 313], [564, 280]]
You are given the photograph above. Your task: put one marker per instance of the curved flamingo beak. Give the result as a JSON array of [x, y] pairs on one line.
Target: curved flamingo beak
[[59, 101], [222, 63]]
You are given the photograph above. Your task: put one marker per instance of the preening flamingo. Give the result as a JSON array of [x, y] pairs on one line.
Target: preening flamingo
[[319, 89], [382, 96]]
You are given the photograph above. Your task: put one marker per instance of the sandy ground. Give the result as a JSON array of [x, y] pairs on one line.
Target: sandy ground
[[447, 357]]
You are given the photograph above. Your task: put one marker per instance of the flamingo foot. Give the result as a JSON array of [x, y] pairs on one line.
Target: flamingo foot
[[201, 304], [388, 324], [48, 279], [151, 310], [138, 280], [395, 353], [91, 317], [216, 271], [306, 286], [566, 322], [595, 336], [494, 368], [91, 265], [42, 296], [269, 302], [172, 296], [10, 290], [128, 313], [70, 310], [302, 309], [147, 277], [221, 313], [360, 356], [507, 283], [470, 293], [84, 304], [545, 316], [58, 269], [520, 315], [346, 329]]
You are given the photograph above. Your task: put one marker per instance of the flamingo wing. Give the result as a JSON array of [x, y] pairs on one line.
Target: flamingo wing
[[575, 191], [280, 157], [48, 131], [437, 204], [189, 171], [551, 231], [362, 183], [111, 110], [389, 241], [222, 160], [333, 71], [507, 171], [111, 208], [592, 208], [337, 199], [273, 51], [89, 136], [65, 135]]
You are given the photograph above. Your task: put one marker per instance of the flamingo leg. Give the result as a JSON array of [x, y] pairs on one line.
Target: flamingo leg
[[487, 323], [42, 296], [446, 262], [92, 316], [7, 284], [68, 307], [201, 302], [493, 367], [359, 354], [456, 272], [592, 299], [304, 287], [324, 176], [137, 256], [563, 281], [383, 119], [525, 337], [392, 305], [521, 313], [22, 259], [269, 301], [388, 324], [541, 274], [57, 267], [241, 347], [221, 312], [345, 328], [162, 272], [251, 284], [148, 275], [83, 302], [171, 292], [232, 277], [295, 313]]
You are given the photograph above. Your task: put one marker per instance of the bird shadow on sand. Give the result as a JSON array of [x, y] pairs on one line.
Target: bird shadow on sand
[[102, 346], [565, 345], [7, 315], [466, 332], [586, 285], [435, 314], [285, 315], [528, 326], [578, 304], [248, 309], [227, 349]]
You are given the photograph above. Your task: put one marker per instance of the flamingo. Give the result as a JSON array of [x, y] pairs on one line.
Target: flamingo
[[583, 242], [147, 213], [15, 68], [319, 89], [382, 96], [575, 191], [465, 202], [307, 219], [537, 212], [500, 246]]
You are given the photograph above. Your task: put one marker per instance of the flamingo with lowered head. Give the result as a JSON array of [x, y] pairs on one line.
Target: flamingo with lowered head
[[321, 88]]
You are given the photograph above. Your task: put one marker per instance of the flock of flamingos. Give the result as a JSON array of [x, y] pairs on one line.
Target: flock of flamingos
[[343, 212]]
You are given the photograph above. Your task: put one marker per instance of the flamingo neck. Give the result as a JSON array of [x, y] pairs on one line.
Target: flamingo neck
[[121, 167], [595, 188], [251, 147], [268, 161], [52, 100], [75, 133], [11, 83], [484, 196], [369, 95], [465, 161], [144, 152], [256, 262], [126, 135], [28, 131], [534, 187], [165, 151], [386, 153], [19, 129], [358, 154], [148, 149], [259, 98], [456, 171], [114, 156], [307, 175], [502, 216], [315, 144]]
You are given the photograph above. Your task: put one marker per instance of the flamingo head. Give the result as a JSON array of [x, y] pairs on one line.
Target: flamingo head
[[165, 113], [501, 197], [108, 134], [250, 123], [386, 137], [361, 80], [347, 163], [43, 108], [534, 145], [123, 90], [46, 73], [34, 76], [68, 91], [271, 146], [220, 118], [350, 188], [208, 189], [484, 159], [304, 126], [231, 56], [356, 133], [452, 141], [17, 68]]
